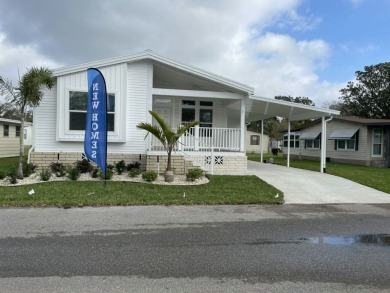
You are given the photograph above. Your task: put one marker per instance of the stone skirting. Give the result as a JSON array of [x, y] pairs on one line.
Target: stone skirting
[[156, 163], [44, 159]]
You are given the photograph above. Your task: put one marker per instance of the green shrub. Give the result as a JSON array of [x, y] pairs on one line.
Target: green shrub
[[149, 176], [95, 173], [120, 167], [73, 173], [84, 166], [45, 174], [58, 169], [28, 169], [108, 175], [194, 174], [12, 174], [134, 165], [134, 172], [2, 175]]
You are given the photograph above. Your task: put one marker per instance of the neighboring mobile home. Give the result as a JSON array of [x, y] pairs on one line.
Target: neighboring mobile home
[[256, 142], [360, 141], [179, 92], [9, 138]]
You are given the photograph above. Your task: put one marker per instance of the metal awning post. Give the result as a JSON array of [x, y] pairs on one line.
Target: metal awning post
[[288, 143], [262, 141], [323, 144]]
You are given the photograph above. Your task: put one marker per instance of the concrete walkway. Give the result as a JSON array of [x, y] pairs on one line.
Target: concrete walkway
[[307, 187]]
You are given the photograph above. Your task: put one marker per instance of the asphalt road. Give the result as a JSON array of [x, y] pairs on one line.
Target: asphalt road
[[291, 248]]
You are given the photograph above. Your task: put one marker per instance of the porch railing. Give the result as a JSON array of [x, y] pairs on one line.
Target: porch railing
[[204, 139]]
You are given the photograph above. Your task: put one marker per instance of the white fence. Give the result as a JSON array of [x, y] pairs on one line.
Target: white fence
[[204, 139]]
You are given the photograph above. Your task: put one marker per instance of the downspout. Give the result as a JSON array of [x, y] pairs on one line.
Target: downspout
[[323, 143], [29, 153]]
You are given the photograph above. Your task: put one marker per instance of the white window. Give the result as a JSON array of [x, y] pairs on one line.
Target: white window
[[294, 140], [78, 109], [313, 143], [377, 142], [346, 144], [17, 131]]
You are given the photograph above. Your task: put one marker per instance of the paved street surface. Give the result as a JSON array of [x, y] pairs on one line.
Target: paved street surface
[[290, 248]]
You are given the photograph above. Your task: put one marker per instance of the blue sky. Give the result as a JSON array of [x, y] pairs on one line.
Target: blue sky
[[357, 32], [308, 48]]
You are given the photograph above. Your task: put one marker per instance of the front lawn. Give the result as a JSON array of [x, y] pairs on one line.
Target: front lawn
[[220, 190], [378, 178]]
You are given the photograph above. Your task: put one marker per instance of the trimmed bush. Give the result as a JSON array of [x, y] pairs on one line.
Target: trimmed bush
[[120, 167], [28, 169], [45, 174], [149, 176], [194, 174], [73, 173], [134, 165], [58, 169], [134, 172], [108, 175], [95, 173], [12, 174], [84, 166]]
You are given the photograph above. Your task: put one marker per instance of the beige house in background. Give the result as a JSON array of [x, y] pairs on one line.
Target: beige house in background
[[9, 137], [351, 140], [254, 140]]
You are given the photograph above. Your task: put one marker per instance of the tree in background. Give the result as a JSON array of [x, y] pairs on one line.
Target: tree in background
[[27, 95], [9, 111], [299, 100], [369, 96]]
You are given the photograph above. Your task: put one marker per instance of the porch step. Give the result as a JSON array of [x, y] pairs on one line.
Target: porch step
[[191, 163]]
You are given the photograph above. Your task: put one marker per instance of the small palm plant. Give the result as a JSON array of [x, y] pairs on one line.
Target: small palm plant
[[167, 137]]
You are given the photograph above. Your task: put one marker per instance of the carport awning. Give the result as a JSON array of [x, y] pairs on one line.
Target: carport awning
[[309, 135], [258, 108], [343, 134]]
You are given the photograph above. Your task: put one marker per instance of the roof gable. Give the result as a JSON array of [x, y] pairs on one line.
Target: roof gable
[[156, 58]]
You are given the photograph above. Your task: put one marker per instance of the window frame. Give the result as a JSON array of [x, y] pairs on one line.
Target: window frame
[[17, 131], [65, 134], [373, 142], [5, 130], [85, 111], [313, 143], [294, 141], [345, 148], [255, 141]]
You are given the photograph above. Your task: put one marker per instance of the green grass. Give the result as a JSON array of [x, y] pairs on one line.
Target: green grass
[[220, 190], [378, 178]]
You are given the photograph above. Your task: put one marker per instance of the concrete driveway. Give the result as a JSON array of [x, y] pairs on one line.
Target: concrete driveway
[[308, 187]]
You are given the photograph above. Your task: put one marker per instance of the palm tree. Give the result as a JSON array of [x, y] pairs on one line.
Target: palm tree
[[167, 137], [28, 95]]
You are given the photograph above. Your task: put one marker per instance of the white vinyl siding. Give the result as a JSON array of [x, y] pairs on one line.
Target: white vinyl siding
[[115, 77]]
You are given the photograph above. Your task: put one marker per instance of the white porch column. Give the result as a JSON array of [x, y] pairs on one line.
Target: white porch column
[[323, 144], [288, 143], [196, 140], [243, 126]]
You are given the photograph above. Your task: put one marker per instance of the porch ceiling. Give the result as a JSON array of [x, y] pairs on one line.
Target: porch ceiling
[[258, 108]]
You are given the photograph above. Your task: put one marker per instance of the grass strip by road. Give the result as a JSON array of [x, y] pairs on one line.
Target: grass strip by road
[[378, 178], [220, 190]]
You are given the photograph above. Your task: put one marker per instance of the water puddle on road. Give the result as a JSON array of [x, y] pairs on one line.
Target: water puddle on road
[[368, 239]]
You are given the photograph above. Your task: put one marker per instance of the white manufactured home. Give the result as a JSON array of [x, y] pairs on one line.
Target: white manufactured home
[[179, 92]]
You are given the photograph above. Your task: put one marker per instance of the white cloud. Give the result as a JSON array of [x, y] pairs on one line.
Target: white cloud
[[21, 57], [228, 37]]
